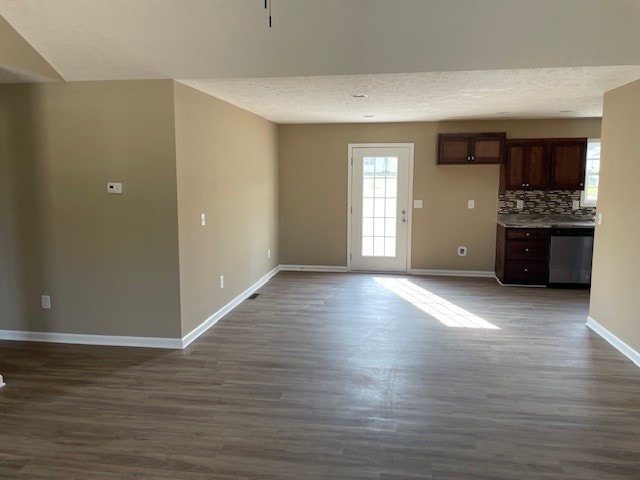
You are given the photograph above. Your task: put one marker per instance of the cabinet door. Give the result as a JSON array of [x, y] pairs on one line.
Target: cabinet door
[[453, 149], [488, 148], [568, 161], [515, 166], [538, 170]]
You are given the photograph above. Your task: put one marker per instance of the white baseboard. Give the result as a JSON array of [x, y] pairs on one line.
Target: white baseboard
[[213, 319], [82, 339], [453, 273], [313, 268], [618, 344], [148, 342]]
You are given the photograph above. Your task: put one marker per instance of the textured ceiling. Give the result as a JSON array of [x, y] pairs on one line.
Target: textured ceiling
[[287, 72], [537, 93]]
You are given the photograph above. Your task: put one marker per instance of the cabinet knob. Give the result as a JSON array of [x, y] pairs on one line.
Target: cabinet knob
[[468, 159], [526, 269], [526, 249], [528, 234], [473, 157], [582, 184]]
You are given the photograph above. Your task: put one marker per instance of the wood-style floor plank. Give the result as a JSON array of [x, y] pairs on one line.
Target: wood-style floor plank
[[337, 376]]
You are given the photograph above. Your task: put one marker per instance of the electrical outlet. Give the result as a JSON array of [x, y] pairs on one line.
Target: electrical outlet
[[45, 300], [203, 219], [576, 205], [462, 251], [600, 219], [519, 204], [114, 187], [221, 281], [471, 204], [2, 384]]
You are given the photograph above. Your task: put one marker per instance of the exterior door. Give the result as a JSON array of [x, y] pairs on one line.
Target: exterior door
[[379, 211]]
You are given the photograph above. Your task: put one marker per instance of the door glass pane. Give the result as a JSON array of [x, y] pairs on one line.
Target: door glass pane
[[379, 192], [389, 246], [367, 227], [367, 246], [368, 187]]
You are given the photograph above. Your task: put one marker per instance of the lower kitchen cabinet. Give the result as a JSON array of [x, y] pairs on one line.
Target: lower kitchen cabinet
[[522, 255]]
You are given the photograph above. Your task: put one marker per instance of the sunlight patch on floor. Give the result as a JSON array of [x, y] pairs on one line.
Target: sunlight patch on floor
[[442, 310]]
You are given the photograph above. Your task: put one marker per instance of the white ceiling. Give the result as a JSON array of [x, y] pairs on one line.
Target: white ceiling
[[417, 59], [537, 93]]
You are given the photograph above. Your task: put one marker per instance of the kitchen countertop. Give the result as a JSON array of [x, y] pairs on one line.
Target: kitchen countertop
[[522, 220]]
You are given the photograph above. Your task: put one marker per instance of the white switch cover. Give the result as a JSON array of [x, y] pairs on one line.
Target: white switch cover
[[221, 281], [203, 219], [576, 205], [113, 187], [519, 204], [599, 219], [417, 204], [45, 300], [471, 204], [462, 251], [268, 253]]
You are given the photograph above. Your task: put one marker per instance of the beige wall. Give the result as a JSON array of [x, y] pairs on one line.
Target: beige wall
[[313, 190], [226, 168], [17, 55], [110, 262], [615, 303]]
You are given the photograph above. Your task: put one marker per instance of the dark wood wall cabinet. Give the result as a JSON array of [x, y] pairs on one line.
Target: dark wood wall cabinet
[[544, 164], [568, 160], [522, 255], [471, 148]]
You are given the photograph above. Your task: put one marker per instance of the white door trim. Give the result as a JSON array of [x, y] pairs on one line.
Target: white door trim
[[410, 146]]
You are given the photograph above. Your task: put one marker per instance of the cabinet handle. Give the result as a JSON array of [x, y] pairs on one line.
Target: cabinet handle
[[528, 234], [582, 184], [526, 249], [526, 269], [468, 158], [473, 157]]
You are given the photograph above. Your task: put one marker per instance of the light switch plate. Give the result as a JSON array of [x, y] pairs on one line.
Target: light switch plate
[[45, 301], [471, 204], [519, 204], [203, 219], [417, 204]]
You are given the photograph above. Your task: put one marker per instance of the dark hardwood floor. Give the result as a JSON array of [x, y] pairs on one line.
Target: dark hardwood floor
[[337, 376]]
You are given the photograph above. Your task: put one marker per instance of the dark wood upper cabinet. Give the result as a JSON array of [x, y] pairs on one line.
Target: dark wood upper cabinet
[[568, 159], [526, 166], [470, 148]]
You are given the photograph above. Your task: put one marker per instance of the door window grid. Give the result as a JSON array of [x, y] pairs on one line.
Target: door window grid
[[379, 200]]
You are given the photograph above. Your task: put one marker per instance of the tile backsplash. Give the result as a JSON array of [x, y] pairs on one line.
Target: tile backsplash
[[539, 201]]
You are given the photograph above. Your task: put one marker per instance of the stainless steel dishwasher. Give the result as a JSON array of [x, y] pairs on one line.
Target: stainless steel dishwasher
[[570, 255]]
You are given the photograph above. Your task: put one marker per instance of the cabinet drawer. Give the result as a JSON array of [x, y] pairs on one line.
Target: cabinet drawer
[[528, 233], [537, 249], [534, 273]]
